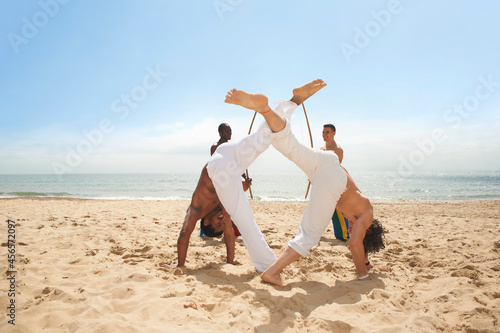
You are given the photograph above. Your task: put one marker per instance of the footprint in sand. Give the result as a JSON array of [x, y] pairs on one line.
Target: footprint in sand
[[468, 272], [138, 277], [144, 249], [53, 294], [118, 250], [135, 261], [180, 292], [379, 294]]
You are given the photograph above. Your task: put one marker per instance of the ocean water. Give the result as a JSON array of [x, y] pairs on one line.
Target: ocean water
[[379, 185]]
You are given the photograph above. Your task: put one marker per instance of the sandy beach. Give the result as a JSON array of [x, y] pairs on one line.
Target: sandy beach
[[94, 266]]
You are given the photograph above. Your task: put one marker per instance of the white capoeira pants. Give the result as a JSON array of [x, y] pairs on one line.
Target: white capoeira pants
[[225, 168], [326, 175]]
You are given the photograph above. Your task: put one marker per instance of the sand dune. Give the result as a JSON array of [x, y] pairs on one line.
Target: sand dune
[[94, 266]]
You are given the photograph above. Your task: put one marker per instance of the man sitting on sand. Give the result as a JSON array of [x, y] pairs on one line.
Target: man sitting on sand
[[332, 185]]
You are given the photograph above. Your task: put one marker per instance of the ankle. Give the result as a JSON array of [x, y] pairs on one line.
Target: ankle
[[297, 100], [263, 109]]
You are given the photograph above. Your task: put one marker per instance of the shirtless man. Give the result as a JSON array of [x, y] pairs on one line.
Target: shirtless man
[[329, 132], [330, 144], [332, 185], [225, 135], [205, 205]]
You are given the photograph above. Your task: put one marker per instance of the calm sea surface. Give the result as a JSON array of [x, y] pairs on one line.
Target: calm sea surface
[[286, 186]]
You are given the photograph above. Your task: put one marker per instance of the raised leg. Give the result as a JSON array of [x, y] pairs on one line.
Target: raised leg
[[287, 144], [259, 103], [300, 94]]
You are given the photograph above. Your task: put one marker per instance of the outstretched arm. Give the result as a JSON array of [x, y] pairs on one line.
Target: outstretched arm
[[192, 216], [356, 243], [229, 238]]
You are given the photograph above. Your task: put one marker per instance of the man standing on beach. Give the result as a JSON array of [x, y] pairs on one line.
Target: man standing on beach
[[332, 185], [224, 134], [329, 132]]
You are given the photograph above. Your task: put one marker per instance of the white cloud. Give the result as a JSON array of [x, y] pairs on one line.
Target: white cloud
[[181, 147]]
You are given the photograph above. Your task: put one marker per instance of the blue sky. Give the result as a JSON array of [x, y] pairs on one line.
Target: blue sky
[[138, 86]]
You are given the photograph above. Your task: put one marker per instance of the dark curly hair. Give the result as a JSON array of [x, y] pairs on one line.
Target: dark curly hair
[[208, 230], [374, 238]]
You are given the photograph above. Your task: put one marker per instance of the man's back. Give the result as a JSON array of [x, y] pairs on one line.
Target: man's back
[[204, 197], [354, 204]]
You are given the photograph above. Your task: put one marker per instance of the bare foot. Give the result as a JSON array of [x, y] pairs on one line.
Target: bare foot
[[273, 279], [171, 266], [256, 102], [300, 94]]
